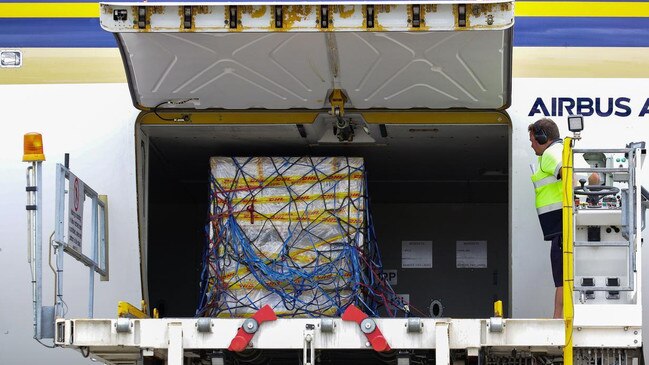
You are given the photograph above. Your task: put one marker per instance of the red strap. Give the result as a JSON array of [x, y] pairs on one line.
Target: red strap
[[242, 338], [251, 210], [378, 342]]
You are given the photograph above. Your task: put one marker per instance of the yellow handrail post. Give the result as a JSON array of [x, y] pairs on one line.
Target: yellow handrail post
[[568, 274], [128, 310]]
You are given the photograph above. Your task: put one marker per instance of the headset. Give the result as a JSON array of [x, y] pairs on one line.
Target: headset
[[539, 134]]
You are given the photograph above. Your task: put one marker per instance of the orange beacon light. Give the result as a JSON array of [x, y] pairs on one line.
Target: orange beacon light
[[33, 147]]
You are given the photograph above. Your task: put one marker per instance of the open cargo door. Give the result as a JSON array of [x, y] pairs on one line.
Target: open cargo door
[[246, 79], [242, 55]]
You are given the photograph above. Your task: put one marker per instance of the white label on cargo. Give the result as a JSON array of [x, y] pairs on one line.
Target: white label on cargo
[[389, 276], [416, 254], [471, 254], [76, 196]]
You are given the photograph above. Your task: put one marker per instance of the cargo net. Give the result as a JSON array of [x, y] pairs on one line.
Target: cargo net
[[293, 233]]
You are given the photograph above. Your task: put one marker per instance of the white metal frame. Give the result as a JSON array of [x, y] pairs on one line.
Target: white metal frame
[[118, 340], [98, 262], [115, 339], [612, 315]]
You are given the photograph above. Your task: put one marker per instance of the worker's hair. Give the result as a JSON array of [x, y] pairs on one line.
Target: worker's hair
[[547, 126]]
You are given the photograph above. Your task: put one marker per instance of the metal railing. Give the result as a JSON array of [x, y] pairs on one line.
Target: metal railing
[[628, 212], [97, 261]]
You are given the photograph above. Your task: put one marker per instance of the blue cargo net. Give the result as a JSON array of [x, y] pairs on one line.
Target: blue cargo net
[[293, 233]]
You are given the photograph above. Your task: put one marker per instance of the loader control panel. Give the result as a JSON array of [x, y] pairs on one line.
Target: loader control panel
[[607, 226]]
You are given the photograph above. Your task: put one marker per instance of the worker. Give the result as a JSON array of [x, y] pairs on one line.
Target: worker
[[546, 177]]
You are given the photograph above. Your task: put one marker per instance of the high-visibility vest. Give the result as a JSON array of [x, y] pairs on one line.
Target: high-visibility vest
[[549, 190]]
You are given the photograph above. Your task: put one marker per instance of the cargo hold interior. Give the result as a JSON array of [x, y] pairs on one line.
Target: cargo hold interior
[[426, 182]]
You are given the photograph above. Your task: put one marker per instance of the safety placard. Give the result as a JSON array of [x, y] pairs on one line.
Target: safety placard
[[76, 196], [416, 254], [471, 254]]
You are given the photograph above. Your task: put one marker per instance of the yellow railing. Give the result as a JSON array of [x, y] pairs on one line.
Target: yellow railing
[[128, 310], [568, 274]]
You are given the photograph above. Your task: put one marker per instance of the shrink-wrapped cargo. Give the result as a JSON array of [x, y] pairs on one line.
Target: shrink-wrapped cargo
[[289, 232]]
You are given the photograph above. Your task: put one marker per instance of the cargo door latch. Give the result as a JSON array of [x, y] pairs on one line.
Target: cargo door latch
[[250, 327], [343, 128], [368, 327]]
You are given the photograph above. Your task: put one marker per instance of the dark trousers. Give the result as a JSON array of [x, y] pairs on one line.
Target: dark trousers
[[556, 258]]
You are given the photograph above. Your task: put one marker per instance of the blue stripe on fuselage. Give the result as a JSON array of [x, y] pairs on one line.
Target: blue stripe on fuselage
[[581, 32], [54, 32]]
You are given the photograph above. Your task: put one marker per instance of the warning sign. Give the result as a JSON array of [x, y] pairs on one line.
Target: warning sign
[[471, 254], [76, 197]]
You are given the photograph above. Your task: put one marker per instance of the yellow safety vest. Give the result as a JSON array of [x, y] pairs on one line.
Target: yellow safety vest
[[549, 190]]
